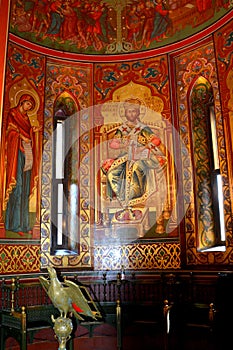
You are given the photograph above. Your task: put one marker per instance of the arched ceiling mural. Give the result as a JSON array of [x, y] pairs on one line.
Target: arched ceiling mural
[[114, 27]]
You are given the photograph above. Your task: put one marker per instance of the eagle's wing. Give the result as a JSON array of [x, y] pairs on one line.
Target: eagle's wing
[[81, 300], [45, 283]]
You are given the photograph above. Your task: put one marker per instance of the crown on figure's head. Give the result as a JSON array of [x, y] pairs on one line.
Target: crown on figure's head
[[132, 102]]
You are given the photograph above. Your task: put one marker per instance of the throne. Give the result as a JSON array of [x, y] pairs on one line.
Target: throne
[[152, 207]]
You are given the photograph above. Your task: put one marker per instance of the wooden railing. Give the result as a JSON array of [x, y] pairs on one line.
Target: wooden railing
[[25, 306]]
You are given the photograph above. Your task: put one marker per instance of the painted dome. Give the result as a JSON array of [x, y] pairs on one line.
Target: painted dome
[[115, 27]]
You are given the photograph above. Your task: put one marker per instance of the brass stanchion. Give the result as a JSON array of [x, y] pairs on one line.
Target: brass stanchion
[[63, 328]]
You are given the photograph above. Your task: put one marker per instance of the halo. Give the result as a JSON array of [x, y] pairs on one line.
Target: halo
[[18, 95]]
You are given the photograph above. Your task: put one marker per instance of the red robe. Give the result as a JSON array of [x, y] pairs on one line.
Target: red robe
[[18, 128]]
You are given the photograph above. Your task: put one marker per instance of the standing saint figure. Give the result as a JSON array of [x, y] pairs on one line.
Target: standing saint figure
[[20, 164], [130, 177]]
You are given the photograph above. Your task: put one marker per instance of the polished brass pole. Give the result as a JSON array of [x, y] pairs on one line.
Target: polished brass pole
[[63, 328]]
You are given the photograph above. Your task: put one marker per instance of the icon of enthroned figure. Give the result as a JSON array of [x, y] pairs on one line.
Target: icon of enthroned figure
[[131, 177]]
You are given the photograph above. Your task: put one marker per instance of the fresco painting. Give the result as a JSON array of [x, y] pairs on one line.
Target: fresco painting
[[136, 195], [111, 26], [203, 224], [124, 121], [68, 96], [21, 146]]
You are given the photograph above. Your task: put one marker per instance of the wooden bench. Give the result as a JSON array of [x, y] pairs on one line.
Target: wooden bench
[[23, 325], [26, 309]]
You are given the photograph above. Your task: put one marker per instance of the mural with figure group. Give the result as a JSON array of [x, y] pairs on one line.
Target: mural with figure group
[[112, 26]]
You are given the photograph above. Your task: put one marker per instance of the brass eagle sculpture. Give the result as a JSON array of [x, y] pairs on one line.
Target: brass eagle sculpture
[[68, 297]]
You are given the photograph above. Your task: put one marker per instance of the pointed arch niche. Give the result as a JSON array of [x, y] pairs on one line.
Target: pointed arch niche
[[65, 191], [66, 198], [208, 190], [202, 128]]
